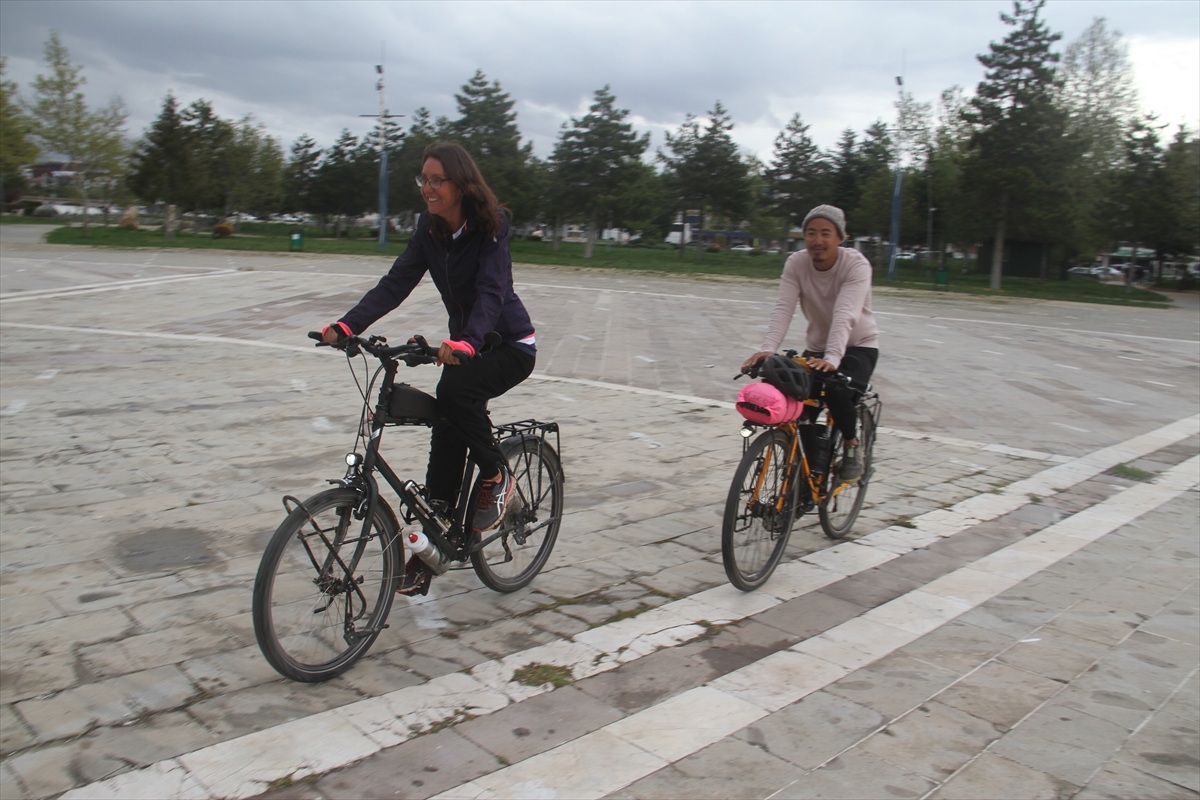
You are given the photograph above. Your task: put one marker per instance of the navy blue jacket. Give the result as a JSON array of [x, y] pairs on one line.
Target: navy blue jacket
[[473, 273]]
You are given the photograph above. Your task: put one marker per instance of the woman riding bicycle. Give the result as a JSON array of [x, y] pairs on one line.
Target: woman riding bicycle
[[462, 242], [832, 285]]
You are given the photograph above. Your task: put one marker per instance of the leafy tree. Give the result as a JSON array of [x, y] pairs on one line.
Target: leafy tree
[[487, 128], [951, 138], [798, 177], [1183, 183], [1019, 153], [210, 172], [596, 163], [1099, 97], [1142, 212], [91, 140], [704, 170], [257, 163], [17, 150]]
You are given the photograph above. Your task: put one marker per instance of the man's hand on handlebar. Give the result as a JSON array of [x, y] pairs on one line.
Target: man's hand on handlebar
[[755, 360], [820, 364]]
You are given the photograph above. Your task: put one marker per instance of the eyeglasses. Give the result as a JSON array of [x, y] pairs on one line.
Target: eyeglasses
[[434, 183]]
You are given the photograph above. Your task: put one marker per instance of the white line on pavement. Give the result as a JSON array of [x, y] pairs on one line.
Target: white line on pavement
[[613, 757], [179, 337], [21, 297], [1035, 327]]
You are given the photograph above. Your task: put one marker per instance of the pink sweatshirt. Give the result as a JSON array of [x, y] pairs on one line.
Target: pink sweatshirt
[[836, 303]]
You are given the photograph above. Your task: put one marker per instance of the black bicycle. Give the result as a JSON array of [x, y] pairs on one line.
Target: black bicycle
[[330, 572], [788, 470]]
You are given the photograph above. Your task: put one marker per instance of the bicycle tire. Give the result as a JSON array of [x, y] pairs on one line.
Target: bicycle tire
[[839, 512], [754, 533], [323, 589], [531, 524]]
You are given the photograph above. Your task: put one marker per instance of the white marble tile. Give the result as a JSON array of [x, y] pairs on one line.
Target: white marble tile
[[989, 506], [797, 578], [614, 636], [164, 779], [1012, 564], [582, 660], [398, 716], [466, 791], [780, 679], [737, 603], [969, 586], [591, 766], [834, 652], [848, 558], [868, 636], [248, 765], [944, 522], [1048, 542], [917, 612], [688, 722], [652, 642]]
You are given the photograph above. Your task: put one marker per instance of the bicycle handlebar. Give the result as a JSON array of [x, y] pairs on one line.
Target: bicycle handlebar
[[838, 377], [413, 352]]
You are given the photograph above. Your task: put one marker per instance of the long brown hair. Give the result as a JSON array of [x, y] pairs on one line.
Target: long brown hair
[[479, 203]]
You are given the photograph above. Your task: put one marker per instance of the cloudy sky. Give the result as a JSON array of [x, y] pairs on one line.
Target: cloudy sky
[[308, 67]]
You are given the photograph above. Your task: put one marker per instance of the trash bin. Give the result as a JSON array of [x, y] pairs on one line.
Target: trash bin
[[942, 278], [297, 242]]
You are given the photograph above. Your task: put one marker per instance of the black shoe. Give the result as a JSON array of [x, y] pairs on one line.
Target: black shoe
[[492, 502], [852, 464], [415, 580]]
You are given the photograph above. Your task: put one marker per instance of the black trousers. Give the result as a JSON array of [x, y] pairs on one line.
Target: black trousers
[[858, 363], [463, 394]]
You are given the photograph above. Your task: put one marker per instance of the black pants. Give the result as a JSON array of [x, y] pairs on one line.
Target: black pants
[[463, 394], [858, 363]]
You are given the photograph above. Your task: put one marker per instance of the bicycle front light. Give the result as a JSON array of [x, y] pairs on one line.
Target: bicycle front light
[[747, 431], [353, 459]]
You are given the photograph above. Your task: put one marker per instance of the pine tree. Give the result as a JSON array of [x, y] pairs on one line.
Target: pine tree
[[160, 164], [704, 170], [487, 128], [1018, 166], [845, 191], [798, 176], [596, 165], [301, 174]]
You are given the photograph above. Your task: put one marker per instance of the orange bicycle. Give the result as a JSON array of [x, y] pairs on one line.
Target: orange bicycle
[[788, 470]]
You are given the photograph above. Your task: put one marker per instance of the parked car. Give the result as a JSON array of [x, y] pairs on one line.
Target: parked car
[[741, 248]]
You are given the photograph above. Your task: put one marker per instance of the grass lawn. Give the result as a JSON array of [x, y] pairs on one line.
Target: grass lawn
[[274, 237]]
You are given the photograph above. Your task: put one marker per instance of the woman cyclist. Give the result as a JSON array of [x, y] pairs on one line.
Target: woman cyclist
[[462, 242], [832, 285]]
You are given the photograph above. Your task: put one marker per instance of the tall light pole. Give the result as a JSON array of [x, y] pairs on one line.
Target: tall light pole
[[383, 160], [894, 236]]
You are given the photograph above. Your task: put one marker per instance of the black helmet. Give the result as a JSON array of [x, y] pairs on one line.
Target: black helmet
[[787, 376]]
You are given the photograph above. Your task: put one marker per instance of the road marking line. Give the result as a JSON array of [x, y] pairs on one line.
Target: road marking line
[[248, 765], [1121, 402], [1157, 383], [48, 294], [1036, 327]]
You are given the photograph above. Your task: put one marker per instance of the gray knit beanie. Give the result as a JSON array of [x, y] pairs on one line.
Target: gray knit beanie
[[831, 213]]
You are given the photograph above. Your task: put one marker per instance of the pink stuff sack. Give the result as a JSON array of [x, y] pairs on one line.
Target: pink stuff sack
[[766, 405]]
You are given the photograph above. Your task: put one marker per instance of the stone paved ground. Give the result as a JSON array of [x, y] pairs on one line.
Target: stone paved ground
[[144, 455]]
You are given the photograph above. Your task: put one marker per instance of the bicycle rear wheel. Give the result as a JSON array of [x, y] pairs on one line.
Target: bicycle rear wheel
[[759, 511], [839, 510], [325, 586], [518, 550]]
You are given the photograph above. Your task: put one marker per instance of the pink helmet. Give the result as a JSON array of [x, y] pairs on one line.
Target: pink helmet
[[766, 405]]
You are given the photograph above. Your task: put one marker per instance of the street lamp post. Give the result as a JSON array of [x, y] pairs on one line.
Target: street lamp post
[[383, 159], [897, 188]]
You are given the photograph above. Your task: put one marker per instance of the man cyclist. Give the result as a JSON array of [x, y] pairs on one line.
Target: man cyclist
[[832, 285]]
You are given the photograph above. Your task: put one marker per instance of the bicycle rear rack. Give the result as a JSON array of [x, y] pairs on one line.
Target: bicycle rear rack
[[531, 427]]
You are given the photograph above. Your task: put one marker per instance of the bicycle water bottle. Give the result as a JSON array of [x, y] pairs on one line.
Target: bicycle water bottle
[[819, 462], [427, 551]]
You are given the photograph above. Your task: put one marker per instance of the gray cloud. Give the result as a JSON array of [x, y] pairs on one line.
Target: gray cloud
[[307, 67]]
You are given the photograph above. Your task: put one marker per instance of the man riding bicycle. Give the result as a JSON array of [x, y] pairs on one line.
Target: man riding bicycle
[[832, 285]]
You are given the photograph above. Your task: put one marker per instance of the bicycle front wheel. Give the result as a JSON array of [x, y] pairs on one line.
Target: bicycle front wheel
[[839, 510], [759, 511], [514, 553], [325, 586]]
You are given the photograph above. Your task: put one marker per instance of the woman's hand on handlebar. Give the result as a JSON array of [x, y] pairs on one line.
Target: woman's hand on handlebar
[[332, 334], [446, 355], [755, 360]]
